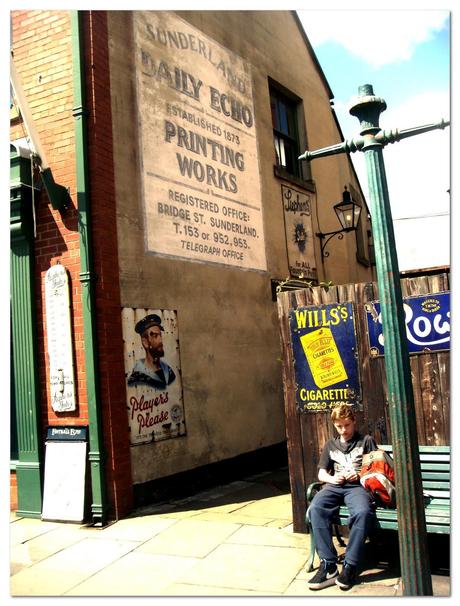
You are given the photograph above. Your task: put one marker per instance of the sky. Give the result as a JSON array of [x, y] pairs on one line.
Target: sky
[[405, 55]]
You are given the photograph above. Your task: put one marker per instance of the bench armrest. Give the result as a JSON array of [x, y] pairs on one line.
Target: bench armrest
[[312, 489]]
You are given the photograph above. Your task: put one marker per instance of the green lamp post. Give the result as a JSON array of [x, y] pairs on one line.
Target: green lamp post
[[415, 570]]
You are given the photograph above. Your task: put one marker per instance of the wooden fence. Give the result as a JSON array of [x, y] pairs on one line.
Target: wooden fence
[[307, 432]]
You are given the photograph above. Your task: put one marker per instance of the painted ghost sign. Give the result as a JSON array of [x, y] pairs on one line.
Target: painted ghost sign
[[200, 166]]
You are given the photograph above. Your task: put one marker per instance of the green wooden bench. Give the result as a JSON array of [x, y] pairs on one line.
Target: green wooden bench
[[435, 467]]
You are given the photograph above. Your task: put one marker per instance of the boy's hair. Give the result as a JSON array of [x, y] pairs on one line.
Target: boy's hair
[[342, 411]]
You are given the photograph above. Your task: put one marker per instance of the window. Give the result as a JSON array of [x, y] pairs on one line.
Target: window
[[285, 131]]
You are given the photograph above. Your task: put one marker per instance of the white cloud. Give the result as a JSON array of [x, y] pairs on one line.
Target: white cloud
[[417, 168], [378, 37], [418, 176]]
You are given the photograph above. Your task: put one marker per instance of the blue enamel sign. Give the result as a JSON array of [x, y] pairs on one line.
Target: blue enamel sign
[[427, 324], [325, 356]]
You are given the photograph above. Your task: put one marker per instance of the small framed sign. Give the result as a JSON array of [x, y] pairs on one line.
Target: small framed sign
[[60, 341], [64, 495]]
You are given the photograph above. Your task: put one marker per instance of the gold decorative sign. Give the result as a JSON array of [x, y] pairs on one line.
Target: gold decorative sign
[[200, 167], [297, 207]]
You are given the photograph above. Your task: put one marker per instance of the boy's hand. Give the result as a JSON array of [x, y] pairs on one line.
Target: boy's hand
[[338, 478], [351, 476]]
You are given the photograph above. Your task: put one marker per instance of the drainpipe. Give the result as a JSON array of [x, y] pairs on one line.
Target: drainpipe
[[87, 278]]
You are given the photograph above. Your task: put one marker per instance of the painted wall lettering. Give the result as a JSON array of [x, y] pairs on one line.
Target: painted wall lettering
[[200, 171]]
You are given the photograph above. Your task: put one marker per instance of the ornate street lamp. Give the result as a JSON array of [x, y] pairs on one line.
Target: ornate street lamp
[[348, 212], [415, 570]]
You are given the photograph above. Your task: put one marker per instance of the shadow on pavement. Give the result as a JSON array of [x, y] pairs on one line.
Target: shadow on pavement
[[252, 488]]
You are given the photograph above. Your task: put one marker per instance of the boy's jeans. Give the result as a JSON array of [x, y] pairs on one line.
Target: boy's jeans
[[323, 507]]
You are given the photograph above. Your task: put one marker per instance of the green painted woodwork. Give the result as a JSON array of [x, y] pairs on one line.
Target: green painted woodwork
[[367, 108], [24, 342], [98, 505]]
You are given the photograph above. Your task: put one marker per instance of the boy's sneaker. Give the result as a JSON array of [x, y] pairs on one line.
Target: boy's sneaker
[[326, 576], [347, 578]]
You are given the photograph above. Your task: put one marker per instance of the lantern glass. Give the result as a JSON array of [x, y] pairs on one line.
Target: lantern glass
[[348, 212]]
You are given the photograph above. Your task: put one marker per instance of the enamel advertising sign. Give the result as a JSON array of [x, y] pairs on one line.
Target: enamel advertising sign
[[153, 375], [427, 324], [325, 356]]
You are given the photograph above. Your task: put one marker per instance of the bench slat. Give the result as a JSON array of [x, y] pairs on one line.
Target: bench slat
[[431, 528], [438, 498], [436, 468], [437, 485], [390, 518]]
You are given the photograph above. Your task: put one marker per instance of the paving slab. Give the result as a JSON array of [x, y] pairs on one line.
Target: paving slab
[[299, 588], [62, 571], [278, 506], [251, 567], [43, 545], [281, 523], [139, 528], [441, 586], [184, 589], [23, 529], [190, 537], [179, 514], [256, 535], [234, 518], [135, 574]]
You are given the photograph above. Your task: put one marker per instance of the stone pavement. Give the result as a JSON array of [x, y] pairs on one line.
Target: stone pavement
[[232, 540]]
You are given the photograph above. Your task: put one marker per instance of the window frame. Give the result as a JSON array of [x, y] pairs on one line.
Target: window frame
[[295, 137]]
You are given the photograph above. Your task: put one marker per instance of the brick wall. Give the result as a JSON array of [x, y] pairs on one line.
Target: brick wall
[[104, 229], [42, 48], [13, 491]]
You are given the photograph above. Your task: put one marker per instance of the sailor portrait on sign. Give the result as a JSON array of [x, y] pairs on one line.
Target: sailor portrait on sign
[[151, 370]]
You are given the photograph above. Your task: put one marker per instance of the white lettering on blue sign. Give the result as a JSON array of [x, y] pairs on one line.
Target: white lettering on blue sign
[[427, 320]]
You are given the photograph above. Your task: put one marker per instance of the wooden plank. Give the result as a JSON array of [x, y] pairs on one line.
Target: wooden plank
[[444, 395], [438, 452], [372, 403], [307, 425], [436, 475], [416, 368], [410, 287], [293, 435], [431, 399], [435, 467]]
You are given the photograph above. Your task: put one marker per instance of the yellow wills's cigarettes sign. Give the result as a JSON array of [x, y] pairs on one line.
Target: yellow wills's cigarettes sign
[[323, 357]]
